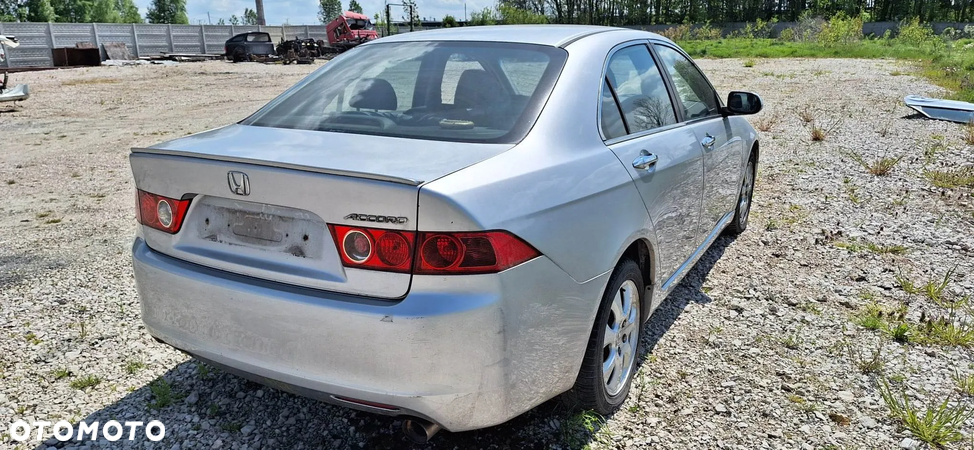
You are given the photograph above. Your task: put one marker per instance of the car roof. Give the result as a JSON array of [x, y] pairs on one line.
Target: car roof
[[553, 35]]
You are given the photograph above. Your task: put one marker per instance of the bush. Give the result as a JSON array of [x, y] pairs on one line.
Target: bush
[[788, 34], [511, 15], [449, 21], [677, 33], [483, 17], [808, 27], [705, 32], [841, 30], [912, 32]]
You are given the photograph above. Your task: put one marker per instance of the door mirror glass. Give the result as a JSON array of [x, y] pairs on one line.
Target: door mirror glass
[[743, 103]]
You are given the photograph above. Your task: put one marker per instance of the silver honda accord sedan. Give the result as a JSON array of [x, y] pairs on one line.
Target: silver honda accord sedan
[[451, 226]]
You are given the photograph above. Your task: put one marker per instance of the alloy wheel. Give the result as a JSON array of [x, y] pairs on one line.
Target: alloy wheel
[[620, 338]]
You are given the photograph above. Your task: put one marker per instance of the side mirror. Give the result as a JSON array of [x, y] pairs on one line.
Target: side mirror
[[742, 103]]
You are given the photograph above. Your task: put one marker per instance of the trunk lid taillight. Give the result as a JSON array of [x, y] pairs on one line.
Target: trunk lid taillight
[[430, 253], [161, 213]]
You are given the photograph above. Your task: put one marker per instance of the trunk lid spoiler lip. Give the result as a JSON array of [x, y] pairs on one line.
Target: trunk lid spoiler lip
[[278, 164]]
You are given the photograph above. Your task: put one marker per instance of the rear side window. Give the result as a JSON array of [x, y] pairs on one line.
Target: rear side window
[[453, 91], [693, 89], [612, 124], [634, 78]]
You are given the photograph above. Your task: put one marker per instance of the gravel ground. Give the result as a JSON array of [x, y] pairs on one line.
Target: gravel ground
[[757, 347]]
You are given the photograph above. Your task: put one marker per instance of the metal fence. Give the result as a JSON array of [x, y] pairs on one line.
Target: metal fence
[[37, 39]]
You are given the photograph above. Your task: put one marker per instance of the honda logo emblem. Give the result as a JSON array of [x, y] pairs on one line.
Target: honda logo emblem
[[239, 182]]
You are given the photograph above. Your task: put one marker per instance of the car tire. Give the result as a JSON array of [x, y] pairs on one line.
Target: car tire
[[743, 209], [238, 55], [622, 323]]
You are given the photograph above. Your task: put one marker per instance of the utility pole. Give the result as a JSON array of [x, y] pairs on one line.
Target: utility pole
[[260, 13], [208, 21]]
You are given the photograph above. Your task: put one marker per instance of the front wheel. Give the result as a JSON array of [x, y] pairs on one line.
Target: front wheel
[[743, 210], [610, 359]]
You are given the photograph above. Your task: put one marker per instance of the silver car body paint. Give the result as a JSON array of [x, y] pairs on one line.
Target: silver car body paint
[[464, 351], [935, 108]]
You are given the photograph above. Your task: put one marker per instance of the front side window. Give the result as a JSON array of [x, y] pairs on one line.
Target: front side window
[[640, 90], [454, 91], [695, 92]]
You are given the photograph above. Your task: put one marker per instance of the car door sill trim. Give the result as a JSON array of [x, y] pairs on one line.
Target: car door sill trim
[[699, 251]]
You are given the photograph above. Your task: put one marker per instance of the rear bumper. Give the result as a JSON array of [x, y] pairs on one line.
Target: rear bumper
[[463, 351]]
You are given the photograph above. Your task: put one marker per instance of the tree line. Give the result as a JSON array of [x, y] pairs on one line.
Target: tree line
[[645, 12], [107, 11]]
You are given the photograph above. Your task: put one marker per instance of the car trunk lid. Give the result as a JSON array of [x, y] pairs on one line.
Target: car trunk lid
[[274, 225]]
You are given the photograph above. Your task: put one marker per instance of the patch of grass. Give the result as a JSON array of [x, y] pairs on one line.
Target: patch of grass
[[969, 133], [61, 373], [85, 382], [231, 427], [964, 385], [32, 338], [945, 65], [792, 341], [867, 363], [934, 289], [936, 147], [42, 215], [858, 246], [944, 331], [132, 367], [961, 177], [880, 167], [203, 370], [900, 332], [52, 221], [162, 394], [772, 225], [578, 427], [749, 63], [806, 115], [766, 123], [86, 81], [936, 426]]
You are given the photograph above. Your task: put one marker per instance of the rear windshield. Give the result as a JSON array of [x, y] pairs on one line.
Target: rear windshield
[[452, 91], [259, 37]]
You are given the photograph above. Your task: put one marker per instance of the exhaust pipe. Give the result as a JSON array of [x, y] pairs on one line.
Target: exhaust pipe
[[420, 431]]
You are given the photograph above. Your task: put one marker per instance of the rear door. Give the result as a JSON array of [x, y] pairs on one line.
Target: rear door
[[663, 157], [723, 152]]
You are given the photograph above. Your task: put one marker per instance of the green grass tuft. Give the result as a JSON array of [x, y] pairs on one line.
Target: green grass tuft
[[936, 426]]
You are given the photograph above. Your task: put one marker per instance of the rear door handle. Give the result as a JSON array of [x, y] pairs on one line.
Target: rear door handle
[[708, 142], [645, 160]]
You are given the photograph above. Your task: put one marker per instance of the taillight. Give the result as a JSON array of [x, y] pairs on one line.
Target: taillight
[[374, 248], [470, 253], [162, 213], [430, 253]]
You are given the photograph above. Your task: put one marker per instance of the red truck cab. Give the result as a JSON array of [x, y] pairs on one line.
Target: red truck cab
[[350, 29]]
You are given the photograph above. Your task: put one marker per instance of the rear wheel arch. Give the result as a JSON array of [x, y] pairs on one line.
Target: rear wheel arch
[[641, 253]]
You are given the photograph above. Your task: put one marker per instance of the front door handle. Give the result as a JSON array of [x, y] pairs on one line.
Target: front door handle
[[708, 142], [645, 160]]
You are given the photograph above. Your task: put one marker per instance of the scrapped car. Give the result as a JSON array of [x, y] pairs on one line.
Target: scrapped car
[[244, 46], [451, 226]]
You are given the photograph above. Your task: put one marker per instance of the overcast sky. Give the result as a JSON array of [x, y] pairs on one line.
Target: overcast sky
[[305, 12]]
